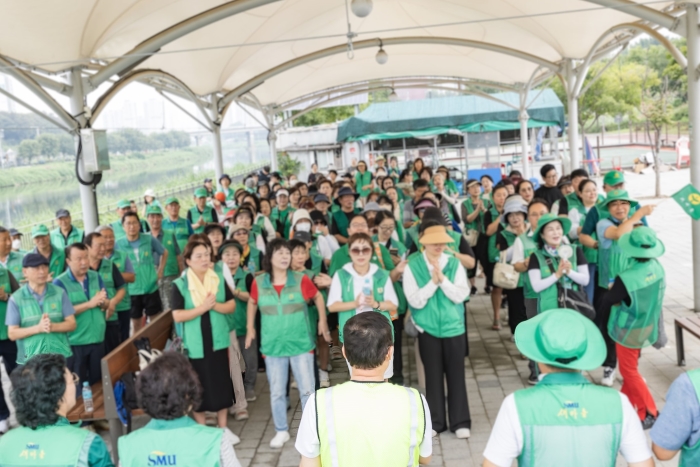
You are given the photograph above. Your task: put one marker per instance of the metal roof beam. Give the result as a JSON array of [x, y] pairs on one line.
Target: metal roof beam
[[642, 12]]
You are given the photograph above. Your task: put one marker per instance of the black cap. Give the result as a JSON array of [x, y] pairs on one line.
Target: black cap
[[321, 198], [62, 213], [207, 180], [34, 260], [14, 232], [345, 191], [303, 236], [317, 216], [222, 177], [262, 182]]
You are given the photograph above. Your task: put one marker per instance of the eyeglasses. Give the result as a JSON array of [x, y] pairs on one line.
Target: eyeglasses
[[360, 251]]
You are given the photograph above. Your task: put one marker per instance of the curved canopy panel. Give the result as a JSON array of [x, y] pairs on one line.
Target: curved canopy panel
[[224, 54]]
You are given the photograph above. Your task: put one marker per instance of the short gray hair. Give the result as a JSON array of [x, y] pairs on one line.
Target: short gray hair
[[100, 228]]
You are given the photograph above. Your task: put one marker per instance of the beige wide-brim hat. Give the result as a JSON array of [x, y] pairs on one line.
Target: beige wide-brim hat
[[436, 234]]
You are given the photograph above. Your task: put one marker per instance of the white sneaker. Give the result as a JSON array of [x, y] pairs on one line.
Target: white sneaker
[[435, 433], [463, 433], [608, 376], [4, 426], [325, 380], [280, 438], [294, 385], [231, 437]]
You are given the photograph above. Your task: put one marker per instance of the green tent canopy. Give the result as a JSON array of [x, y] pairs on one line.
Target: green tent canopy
[[469, 114]]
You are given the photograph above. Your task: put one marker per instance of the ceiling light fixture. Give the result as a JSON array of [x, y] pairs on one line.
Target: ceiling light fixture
[[382, 57], [361, 8]]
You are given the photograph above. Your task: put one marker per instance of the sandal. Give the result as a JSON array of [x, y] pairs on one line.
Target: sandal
[[496, 326]]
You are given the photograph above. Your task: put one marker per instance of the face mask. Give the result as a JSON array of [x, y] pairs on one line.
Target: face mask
[[303, 227], [318, 230], [16, 244]]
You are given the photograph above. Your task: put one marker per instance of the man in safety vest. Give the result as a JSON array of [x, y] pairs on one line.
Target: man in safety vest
[[564, 419], [66, 233], [182, 227], [43, 246], [124, 206], [86, 291], [174, 265], [366, 421], [10, 260], [201, 213], [39, 314]]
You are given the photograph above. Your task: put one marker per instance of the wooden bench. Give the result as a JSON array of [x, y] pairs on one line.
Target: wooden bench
[[692, 325], [123, 359]]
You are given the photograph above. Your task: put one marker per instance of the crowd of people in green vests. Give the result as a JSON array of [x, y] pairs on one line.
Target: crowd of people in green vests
[[282, 274]]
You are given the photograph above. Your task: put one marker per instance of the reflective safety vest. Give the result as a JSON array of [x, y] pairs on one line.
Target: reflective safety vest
[[369, 424], [284, 317], [5, 285], [30, 314], [611, 262], [53, 445], [91, 323], [690, 455], [105, 272], [119, 258], [440, 317], [206, 214], [637, 325], [59, 241], [529, 247], [14, 265], [347, 281], [179, 442], [547, 299], [146, 276], [567, 421], [191, 331]]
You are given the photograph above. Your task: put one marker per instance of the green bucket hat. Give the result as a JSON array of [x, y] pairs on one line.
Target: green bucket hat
[[123, 204], [549, 217], [614, 177], [172, 200], [200, 193], [39, 230], [641, 243], [230, 244], [618, 195], [562, 338], [153, 209]]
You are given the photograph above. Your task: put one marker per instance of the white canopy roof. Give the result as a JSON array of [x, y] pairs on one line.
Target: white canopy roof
[[59, 34]]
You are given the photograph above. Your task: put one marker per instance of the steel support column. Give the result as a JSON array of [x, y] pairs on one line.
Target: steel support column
[[88, 197], [694, 118], [272, 141], [524, 117], [216, 119], [572, 104]]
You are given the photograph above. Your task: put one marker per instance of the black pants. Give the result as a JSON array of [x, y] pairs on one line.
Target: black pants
[[112, 336], [398, 341], [516, 307], [466, 331], [8, 352], [124, 320], [85, 362], [444, 358], [601, 319]]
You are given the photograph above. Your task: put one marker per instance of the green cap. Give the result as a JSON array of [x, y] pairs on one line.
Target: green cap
[[641, 242], [618, 195], [230, 244], [200, 193], [614, 177], [123, 204], [562, 338], [172, 200], [549, 217], [39, 230], [153, 209]]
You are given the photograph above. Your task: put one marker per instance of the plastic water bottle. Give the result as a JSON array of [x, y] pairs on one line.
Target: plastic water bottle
[[366, 288], [87, 397]]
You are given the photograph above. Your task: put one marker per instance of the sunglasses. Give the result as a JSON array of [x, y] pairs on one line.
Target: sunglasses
[[319, 223], [360, 251]]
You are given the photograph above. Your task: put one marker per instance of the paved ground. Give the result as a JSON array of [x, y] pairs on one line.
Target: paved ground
[[495, 369]]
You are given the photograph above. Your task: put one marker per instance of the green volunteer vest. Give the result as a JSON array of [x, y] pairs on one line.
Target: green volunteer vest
[[91, 324], [547, 299], [119, 258], [238, 321], [637, 325], [105, 272], [14, 265], [228, 192], [182, 232], [340, 220], [567, 421], [412, 236], [369, 424], [312, 316], [478, 222], [400, 247], [169, 241], [591, 254], [253, 259], [118, 229], [529, 247], [362, 179], [690, 455], [5, 285], [57, 262], [179, 442], [440, 317], [30, 314], [284, 322], [348, 295], [611, 262], [316, 259], [146, 276], [283, 217], [58, 240], [191, 331], [207, 215], [53, 445], [494, 254]]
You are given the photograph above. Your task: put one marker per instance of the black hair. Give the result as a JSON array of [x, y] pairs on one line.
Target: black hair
[[486, 176], [355, 216], [130, 214], [75, 246], [515, 172], [3, 230], [506, 182], [266, 168], [386, 199], [296, 243], [517, 190], [498, 186], [37, 390], [540, 240], [542, 201], [168, 388], [321, 182], [367, 339], [579, 173], [244, 210], [546, 169], [382, 216], [585, 182], [420, 183], [422, 164], [272, 247], [333, 171], [90, 237], [255, 203], [428, 223]]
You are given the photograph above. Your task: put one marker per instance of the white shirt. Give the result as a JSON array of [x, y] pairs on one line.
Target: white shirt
[[335, 293], [417, 297], [506, 440], [307, 437]]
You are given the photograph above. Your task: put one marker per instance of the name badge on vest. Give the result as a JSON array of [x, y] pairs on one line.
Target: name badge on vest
[[291, 296], [380, 290]]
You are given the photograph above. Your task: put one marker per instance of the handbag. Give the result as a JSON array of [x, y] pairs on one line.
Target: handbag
[[471, 236], [504, 274], [572, 299], [409, 326], [146, 354]]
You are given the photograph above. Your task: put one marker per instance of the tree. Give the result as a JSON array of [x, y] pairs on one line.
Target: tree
[[28, 149], [324, 115], [287, 166], [66, 144], [48, 144]]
